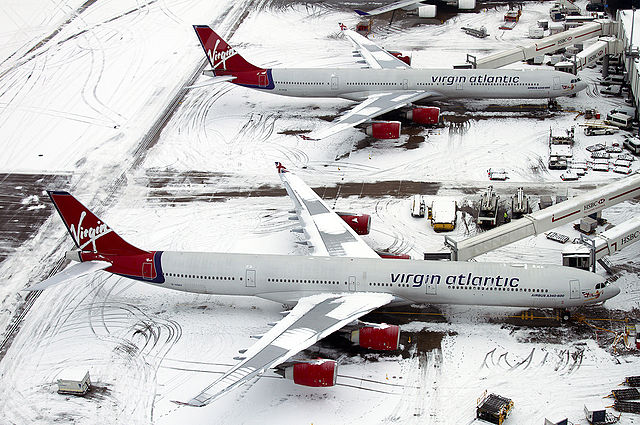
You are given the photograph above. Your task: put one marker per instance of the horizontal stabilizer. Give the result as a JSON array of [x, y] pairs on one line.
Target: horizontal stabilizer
[[70, 273], [213, 80]]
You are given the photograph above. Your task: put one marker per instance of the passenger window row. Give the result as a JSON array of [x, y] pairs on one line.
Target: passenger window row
[[322, 282], [191, 276]]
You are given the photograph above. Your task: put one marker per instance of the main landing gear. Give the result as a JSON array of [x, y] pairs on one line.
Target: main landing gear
[[563, 315]]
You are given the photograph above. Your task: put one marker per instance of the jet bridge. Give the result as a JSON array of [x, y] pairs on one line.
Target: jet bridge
[[599, 49], [546, 45], [546, 219], [585, 254]]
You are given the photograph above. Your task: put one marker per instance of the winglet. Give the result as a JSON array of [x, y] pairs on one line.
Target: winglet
[[361, 12], [281, 168]]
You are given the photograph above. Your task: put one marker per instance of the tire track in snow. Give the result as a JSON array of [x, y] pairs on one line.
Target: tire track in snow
[[229, 21]]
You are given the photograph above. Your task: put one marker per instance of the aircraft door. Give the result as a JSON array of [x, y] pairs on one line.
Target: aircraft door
[[262, 79], [147, 270], [335, 82], [575, 289], [432, 289], [352, 283], [556, 83], [250, 281], [405, 84], [459, 85]]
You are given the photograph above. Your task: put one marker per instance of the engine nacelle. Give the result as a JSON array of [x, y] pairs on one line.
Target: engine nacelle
[[381, 337], [317, 373], [399, 55], [384, 130], [360, 223], [466, 4], [426, 115], [427, 11], [393, 255]]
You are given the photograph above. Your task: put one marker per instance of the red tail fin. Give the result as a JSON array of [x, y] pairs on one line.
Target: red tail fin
[[222, 57], [89, 232]]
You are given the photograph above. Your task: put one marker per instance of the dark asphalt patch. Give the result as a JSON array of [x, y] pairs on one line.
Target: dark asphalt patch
[[24, 206]]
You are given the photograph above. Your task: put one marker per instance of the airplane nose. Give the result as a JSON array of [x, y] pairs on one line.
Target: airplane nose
[[614, 290], [580, 85]]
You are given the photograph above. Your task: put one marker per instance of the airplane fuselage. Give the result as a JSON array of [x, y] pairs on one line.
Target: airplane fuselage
[[286, 279], [358, 84]]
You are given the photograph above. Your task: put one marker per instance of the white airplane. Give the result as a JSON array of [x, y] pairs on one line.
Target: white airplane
[[342, 281], [423, 10], [387, 84]]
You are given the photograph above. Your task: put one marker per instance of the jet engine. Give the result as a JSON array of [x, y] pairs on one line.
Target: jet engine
[[314, 373], [429, 11], [377, 337], [426, 115], [399, 55], [360, 223], [466, 4], [384, 129], [393, 255]]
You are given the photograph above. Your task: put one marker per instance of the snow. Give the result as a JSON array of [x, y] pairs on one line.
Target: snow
[[82, 102]]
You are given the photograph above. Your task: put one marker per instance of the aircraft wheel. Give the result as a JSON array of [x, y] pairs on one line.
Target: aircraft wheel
[[564, 316]]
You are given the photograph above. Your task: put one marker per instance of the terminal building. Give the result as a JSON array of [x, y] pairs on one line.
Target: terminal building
[[629, 34]]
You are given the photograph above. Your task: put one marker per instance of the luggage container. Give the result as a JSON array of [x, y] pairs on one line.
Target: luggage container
[[497, 174], [536, 32], [622, 170], [569, 176], [545, 202], [621, 163], [587, 225], [74, 381]]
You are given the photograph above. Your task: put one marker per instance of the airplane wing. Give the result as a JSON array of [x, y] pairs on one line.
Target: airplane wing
[[375, 56], [312, 319], [387, 8], [375, 105], [327, 234]]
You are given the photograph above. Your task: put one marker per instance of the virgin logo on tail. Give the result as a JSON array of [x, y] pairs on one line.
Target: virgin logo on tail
[[92, 234], [218, 58]]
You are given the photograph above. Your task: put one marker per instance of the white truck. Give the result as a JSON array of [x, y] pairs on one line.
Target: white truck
[[417, 206]]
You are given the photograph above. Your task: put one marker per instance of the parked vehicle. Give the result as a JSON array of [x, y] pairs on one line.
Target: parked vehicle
[[619, 120], [612, 79], [417, 206], [632, 144], [598, 131], [628, 110], [595, 7], [612, 90]]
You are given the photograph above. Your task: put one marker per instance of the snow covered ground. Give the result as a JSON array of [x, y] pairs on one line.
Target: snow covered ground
[[83, 101]]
